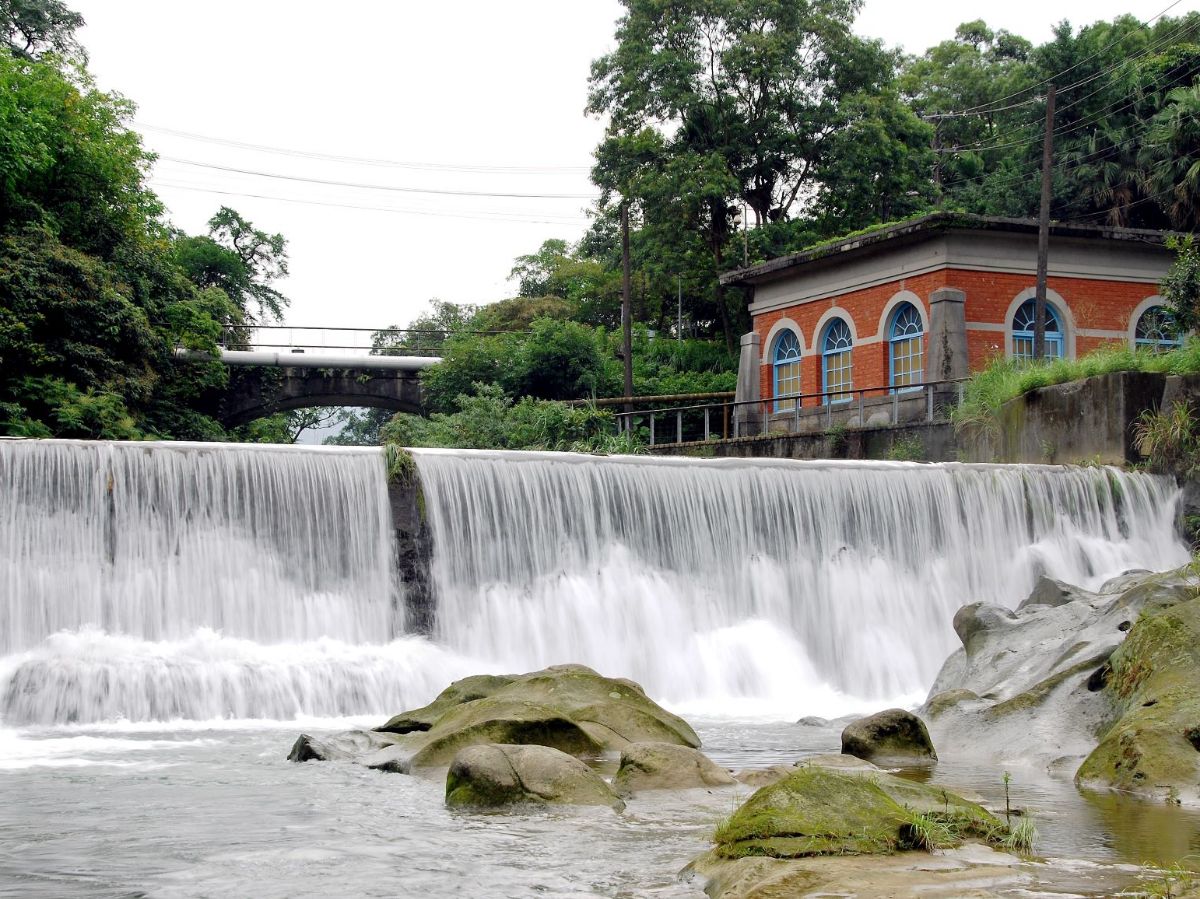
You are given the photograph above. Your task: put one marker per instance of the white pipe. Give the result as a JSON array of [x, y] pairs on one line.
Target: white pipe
[[312, 360]]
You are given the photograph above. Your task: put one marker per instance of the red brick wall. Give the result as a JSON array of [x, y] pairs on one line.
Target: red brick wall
[[1094, 305]]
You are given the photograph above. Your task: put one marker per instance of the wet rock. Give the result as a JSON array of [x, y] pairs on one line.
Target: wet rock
[[1149, 749], [845, 764], [1049, 592], [1124, 581], [568, 707], [667, 766], [818, 811], [478, 686], [495, 776], [947, 699], [762, 777], [346, 746], [893, 736], [980, 618], [813, 721]]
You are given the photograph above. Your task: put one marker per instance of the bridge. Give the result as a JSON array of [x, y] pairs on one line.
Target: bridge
[[317, 366]]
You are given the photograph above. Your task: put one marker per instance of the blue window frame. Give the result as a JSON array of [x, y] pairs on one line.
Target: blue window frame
[[906, 348], [1023, 323], [1156, 330], [785, 367], [836, 363]]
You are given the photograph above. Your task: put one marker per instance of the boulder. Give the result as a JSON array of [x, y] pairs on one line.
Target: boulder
[[894, 736], [495, 776], [763, 777], [1153, 746], [347, 746], [667, 766], [1039, 681], [567, 707], [819, 811], [813, 721], [980, 618], [1049, 592], [468, 689], [845, 764]]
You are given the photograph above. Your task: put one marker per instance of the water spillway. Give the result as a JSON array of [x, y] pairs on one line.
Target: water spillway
[[161, 581]]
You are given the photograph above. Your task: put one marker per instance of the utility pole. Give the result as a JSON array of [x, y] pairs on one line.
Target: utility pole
[[1039, 303], [745, 237], [626, 312], [679, 326], [937, 160]]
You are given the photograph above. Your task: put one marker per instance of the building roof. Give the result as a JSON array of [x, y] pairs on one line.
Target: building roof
[[918, 229]]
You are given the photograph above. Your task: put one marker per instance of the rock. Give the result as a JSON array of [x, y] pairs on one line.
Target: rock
[[980, 618], [1153, 747], [346, 746], [817, 811], [813, 721], [468, 689], [1043, 689], [1124, 581], [495, 776], [894, 736], [947, 699], [1049, 592], [667, 766], [762, 777], [567, 707], [845, 764]]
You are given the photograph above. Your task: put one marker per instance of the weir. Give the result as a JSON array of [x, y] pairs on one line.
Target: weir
[[161, 580]]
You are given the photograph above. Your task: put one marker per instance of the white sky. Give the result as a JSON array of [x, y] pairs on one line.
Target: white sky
[[480, 85]]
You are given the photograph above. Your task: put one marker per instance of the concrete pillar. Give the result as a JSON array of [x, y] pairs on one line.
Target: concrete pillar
[[748, 419], [947, 359]]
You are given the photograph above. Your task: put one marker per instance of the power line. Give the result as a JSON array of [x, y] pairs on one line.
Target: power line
[[506, 218], [385, 187], [465, 168]]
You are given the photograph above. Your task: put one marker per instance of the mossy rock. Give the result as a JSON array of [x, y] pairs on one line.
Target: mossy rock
[[568, 707], [667, 766], [891, 736], [817, 811], [478, 686], [496, 776], [1153, 748]]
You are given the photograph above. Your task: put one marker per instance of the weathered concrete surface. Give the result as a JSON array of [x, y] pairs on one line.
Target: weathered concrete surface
[[920, 442], [414, 552], [1090, 420], [268, 391]]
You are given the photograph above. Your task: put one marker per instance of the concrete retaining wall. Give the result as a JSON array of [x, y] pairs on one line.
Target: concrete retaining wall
[[921, 442]]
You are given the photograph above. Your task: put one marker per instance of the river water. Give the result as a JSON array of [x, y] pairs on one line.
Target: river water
[[172, 615]]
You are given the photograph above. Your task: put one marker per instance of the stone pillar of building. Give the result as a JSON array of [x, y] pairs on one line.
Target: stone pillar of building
[[747, 419], [947, 359]]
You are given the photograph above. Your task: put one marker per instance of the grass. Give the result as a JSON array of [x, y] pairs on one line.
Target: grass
[[1023, 838], [1170, 882], [1006, 379]]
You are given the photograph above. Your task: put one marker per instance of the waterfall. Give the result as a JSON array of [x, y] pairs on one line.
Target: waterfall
[[161, 581], [733, 580], [153, 581]]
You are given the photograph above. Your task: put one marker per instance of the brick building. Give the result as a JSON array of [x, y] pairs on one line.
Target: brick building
[[873, 317]]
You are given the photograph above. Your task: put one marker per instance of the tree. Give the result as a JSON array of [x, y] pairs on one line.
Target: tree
[[30, 28], [241, 260], [1181, 287]]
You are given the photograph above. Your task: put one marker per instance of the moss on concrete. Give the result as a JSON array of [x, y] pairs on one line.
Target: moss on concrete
[[816, 811]]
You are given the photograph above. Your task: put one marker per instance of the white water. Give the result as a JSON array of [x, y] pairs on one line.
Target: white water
[[177, 582], [759, 585]]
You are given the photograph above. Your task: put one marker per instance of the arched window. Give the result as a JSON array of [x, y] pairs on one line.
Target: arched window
[[905, 348], [835, 362], [1023, 323], [785, 362], [1156, 330]]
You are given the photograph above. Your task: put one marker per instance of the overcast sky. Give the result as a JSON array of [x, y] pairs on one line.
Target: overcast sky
[[469, 97]]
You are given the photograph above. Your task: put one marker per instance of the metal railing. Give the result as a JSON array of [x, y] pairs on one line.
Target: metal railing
[[794, 413]]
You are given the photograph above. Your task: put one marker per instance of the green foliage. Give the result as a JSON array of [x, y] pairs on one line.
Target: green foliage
[[29, 28], [1169, 439], [1181, 286], [908, 449], [488, 419]]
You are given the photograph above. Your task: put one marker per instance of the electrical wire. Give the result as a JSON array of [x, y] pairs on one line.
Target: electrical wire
[[384, 187], [508, 218], [371, 161]]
